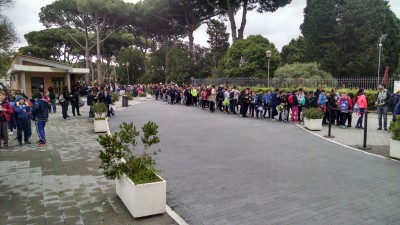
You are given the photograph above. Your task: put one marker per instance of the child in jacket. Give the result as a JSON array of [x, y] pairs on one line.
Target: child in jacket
[[22, 111]]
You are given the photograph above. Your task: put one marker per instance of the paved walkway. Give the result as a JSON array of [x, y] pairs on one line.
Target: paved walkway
[[223, 169], [61, 183], [377, 140]]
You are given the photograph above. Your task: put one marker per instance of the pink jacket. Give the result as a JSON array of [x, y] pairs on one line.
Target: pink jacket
[[362, 101]]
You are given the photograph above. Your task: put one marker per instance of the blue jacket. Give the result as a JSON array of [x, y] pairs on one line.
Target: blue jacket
[[321, 100], [266, 98], [274, 101], [397, 109], [40, 110], [21, 111]]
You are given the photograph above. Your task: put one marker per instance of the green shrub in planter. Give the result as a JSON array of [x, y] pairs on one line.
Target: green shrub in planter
[[114, 98], [99, 110], [142, 94], [395, 129], [129, 96], [139, 167], [313, 114]]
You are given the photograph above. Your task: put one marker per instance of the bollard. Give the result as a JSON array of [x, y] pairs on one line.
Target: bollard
[[364, 147], [329, 124]]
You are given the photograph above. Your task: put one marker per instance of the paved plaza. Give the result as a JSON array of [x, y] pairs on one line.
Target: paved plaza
[[223, 169], [61, 183]]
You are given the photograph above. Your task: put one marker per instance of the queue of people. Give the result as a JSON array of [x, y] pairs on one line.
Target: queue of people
[[281, 105]]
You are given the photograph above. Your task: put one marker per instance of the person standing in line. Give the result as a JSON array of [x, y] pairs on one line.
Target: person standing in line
[[361, 105], [6, 111], [41, 114], [22, 110], [52, 97], [75, 101], [65, 102], [382, 106]]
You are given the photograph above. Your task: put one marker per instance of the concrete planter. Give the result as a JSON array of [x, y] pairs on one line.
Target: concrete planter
[[143, 199], [148, 96], [313, 124], [142, 98], [394, 149], [100, 126]]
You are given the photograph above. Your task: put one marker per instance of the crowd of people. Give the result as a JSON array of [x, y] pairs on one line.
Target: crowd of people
[[281, 105]]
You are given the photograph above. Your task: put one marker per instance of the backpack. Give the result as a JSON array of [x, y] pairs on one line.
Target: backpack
[[395, 99], [61, 98], [290, 100], [344, 105], [303, 101], [232, 95], [256, 99]]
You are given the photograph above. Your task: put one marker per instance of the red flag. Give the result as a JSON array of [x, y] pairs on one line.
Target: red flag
[[386, 76]]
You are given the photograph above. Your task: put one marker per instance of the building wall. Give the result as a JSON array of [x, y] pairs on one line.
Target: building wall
[[47, 80]]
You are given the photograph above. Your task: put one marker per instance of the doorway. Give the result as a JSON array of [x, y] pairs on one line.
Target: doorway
[[37, 85]]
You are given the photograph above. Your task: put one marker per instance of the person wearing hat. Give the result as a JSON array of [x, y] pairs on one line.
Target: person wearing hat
[[41, 114], [22, 110]]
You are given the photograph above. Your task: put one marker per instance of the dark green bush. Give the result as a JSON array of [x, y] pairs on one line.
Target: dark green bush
[[313, 113]]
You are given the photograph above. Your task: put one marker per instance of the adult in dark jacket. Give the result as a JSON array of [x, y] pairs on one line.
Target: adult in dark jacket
[[90, 101], [75, 101], [65, 103], [273, 102], [52, 98], [107, 100]]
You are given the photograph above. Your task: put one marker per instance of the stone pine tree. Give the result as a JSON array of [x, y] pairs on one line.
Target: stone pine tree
[[343, 35], [296, 51], [218, 40], [230, 8]]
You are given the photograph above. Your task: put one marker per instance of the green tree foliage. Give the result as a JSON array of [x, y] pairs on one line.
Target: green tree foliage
[[53, 44], [247, 58], [182, 68], [295, 51], [7, 32], [218, 40], [343, 35], [135, 59], [301, 70]]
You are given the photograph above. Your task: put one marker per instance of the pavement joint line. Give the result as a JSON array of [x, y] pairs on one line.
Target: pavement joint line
[[178, 219], [383, 157]]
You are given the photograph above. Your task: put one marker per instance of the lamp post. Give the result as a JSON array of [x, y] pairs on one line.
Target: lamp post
[[269, 53], [114, 59], [382, 38]]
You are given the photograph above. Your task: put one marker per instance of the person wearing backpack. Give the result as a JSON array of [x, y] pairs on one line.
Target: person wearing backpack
[[22, 110], [52, 97], [382, 103], [295, 107], [300, 95], [266, 99], [75, 101], [344, 104], [273, 103], [41, 115], [233, 101], [6, 111], [64, 99], [360, 106], [258, 102], [395, 100]]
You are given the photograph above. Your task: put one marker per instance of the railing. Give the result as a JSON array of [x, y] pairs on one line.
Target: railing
[[340, 82]]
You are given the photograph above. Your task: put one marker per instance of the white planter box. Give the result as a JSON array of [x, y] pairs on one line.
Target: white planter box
[[148, 96], [100, 126], [394, 149], [142, 98], [313, 124], [143, 199]]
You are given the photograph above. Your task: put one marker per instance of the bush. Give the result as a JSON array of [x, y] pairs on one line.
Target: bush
[[395, 129], [313, 114], [142, 94], [129, 96], [99, 109], [114, 98], [140, 167]]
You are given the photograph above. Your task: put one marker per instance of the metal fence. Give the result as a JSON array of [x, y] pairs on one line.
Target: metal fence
[[340, 82]]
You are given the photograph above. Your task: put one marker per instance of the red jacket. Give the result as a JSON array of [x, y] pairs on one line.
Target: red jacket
[[7, 114]]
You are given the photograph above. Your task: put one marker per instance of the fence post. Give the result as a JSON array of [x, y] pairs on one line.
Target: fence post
[[364, 146], [330, 124]]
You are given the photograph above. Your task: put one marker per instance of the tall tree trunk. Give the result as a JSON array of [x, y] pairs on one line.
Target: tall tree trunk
[[244, 20], [87, 59], [191, 41], [98, 56], [166, 69], [231, 16]]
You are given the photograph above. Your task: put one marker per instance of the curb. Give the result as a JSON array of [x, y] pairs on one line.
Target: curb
[[171, 213], [349, 147]]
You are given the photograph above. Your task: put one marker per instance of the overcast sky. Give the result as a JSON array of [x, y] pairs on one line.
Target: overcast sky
[[279, 27]]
